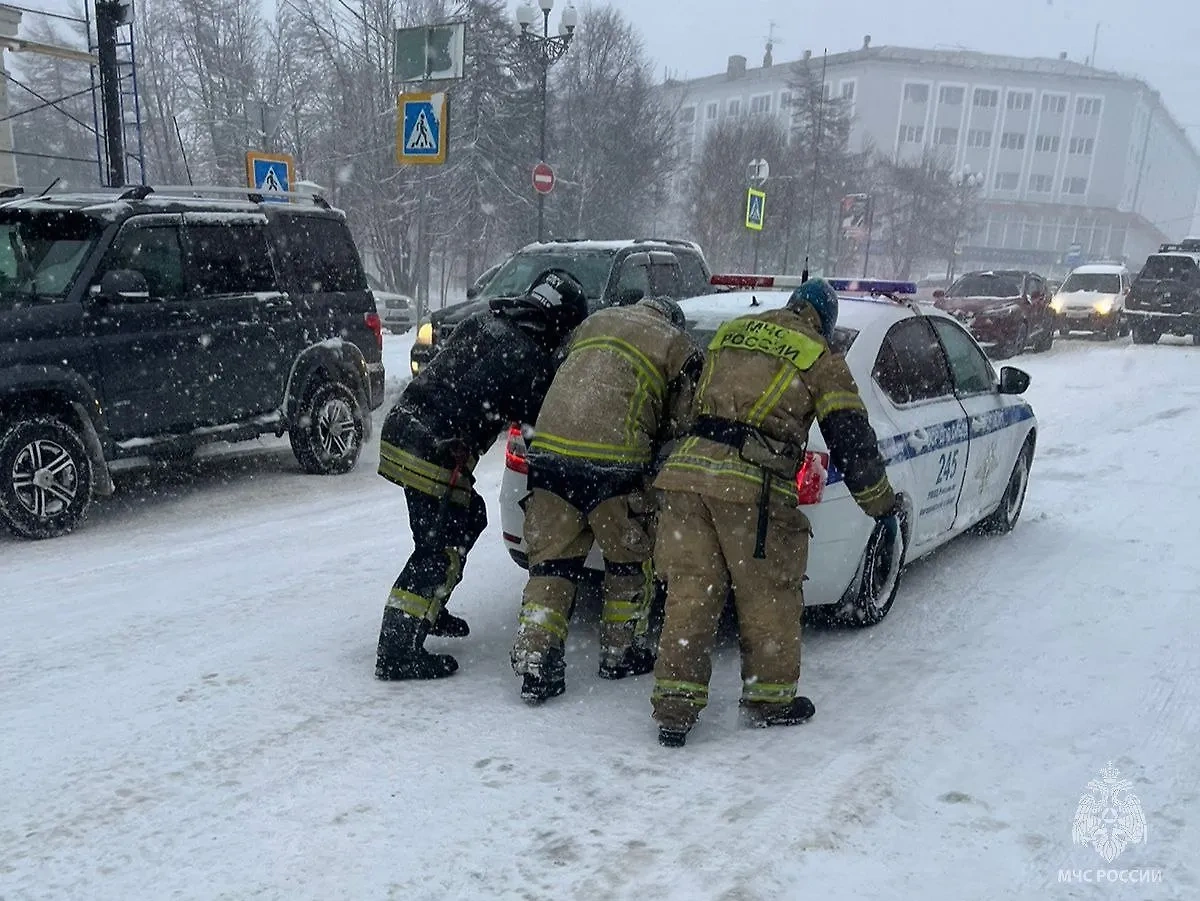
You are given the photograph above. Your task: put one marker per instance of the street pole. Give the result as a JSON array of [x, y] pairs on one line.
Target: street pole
[[542, 151], [108, 19], [870, 225], [757, 236]]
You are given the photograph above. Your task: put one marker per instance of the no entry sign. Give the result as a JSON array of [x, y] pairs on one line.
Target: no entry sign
[[543, 178]]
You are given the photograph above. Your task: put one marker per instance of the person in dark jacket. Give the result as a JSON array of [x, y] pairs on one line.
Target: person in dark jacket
[[495, 368]]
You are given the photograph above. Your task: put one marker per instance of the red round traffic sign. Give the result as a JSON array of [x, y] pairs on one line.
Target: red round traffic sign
[[543, 178]]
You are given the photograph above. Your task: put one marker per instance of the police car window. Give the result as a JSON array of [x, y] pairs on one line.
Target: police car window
[[971, 370], [155, 252], [920, 363], [889, 376]]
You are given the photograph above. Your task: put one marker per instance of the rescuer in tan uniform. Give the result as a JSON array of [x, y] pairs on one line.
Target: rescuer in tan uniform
[[625, 389], [730, 514]]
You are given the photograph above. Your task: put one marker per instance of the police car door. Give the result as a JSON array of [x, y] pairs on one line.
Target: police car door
[[913, 373], [989, 454]]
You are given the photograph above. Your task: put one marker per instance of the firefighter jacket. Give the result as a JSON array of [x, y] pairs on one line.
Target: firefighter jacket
[[625, 388], [490, 372], [767, 376]]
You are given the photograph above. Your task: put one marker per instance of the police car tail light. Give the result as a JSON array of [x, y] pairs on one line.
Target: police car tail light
[[375, 324], [810, 480], [514, 451]]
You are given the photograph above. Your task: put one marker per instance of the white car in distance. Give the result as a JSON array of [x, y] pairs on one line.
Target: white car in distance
[[1092, 299], [957, 439]]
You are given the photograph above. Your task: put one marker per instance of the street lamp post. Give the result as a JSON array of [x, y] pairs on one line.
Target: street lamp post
[[964, 181], [548, 50]]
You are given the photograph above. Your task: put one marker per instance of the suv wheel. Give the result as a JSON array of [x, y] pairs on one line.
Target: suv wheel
[[46, 479], [327, 436]]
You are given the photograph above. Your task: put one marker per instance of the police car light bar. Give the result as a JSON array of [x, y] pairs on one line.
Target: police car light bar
[[841, 285]]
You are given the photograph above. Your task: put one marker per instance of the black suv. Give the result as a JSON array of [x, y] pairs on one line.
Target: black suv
[[1165, 296], [136, 323], [612, 273]]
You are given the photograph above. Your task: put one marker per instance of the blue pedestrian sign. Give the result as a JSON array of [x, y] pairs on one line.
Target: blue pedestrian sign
[[422, 129], [270, 173], [1074, 255]]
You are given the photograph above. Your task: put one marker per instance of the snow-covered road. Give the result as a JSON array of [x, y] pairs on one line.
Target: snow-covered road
[[188, 708]]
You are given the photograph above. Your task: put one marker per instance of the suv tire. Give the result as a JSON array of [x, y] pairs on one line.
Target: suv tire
[[327, 436], [46, 478], [1145, 334]]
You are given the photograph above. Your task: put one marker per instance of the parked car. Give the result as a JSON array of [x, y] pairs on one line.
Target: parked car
[[1165, 297], [1092, 299], [957, 438], [611, 272], [396, 311], [1007, 310], [136, 323]]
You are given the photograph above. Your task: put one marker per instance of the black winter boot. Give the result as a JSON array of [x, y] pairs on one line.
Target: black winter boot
[[450, 626], [545, 678], [672, 738], [636, 661], [401, 654], [798, 710]]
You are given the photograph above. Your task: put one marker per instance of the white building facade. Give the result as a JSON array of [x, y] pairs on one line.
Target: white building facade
[[1073, 160]]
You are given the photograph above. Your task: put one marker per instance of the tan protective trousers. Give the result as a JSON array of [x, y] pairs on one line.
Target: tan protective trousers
[[558, 537], [705, 546]]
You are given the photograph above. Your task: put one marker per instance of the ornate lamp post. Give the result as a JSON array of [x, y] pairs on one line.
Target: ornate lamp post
[[965, 181], [547, 50]]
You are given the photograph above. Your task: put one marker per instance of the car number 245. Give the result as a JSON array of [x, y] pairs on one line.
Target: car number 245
[[947, 466]]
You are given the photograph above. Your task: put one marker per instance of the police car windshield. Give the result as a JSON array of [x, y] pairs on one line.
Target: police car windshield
[[590, 268], [1100, 282], [986, 284], [40, 254], [1167, 267]]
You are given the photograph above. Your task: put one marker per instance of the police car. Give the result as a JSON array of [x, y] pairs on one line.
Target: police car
[[957, 438]]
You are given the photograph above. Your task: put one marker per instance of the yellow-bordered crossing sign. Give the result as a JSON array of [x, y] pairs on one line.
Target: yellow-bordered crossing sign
[[756, 207]]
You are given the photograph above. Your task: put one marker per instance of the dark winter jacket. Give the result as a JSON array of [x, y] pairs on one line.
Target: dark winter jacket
[[490, 372]]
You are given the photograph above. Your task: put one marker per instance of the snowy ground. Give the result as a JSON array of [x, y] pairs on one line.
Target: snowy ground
[[189, 711]]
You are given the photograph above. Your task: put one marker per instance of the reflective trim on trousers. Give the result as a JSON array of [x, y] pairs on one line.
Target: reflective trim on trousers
[[768, 692], [535, 616], [688, 692]]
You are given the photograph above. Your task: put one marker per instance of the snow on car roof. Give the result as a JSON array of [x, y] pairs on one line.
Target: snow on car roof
[[854, 311], [1101, 268], [610, 246]]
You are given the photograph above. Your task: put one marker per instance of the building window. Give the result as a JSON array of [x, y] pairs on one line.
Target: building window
[[1041, 184], [687, 115], [735, 107], [848, 88], [912, 134], [916, 93], [1088, 106], [1021, 101], [947, 136], [712, 111], [1074, 185], [1082, 146], [986, 97], [827, 91], [1047, 144], [979, 137], [760, 105], [950, 96], [1054, 103], [785, 101], [1012, 140], [1007, 181]]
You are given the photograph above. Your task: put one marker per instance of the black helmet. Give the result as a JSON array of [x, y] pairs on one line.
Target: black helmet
[[667, 308], [555, 304]]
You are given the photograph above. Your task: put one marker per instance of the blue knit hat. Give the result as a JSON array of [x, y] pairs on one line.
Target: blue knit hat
[[818, 294]]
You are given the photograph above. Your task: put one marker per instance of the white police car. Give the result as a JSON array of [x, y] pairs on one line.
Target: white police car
[[957, 438]]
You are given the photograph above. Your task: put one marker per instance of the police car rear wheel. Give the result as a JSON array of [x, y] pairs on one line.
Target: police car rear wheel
[[879, 580], [1005, 517]]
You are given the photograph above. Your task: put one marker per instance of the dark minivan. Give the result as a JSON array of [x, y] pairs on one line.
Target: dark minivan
[[137, 323]]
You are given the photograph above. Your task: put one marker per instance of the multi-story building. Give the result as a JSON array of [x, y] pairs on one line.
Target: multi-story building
[[1075, 162]]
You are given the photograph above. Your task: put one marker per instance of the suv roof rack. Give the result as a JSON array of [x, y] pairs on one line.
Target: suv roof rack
[[1187, 245], [141, 192], [676, 242]]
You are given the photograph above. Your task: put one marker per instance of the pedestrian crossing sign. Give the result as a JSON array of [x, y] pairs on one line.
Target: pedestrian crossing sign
[[422, 129], [270, 173], [756, 206]]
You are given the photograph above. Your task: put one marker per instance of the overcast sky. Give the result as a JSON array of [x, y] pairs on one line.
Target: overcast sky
[[1156, 39]]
